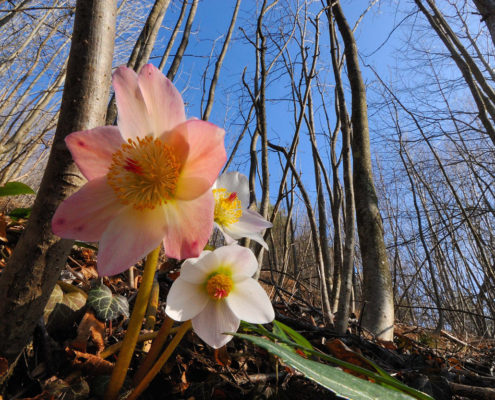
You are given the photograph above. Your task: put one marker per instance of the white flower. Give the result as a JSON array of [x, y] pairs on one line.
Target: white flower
[[232, 216], [216, 291]]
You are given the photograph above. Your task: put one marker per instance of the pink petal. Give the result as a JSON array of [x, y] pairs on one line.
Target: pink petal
[[249, 302], [86, 214], [129, 238], [188, 226], [204, 160], [215, 319], [235, 182], [163, 100], [133, 117], [185, 300], [92, 150], [241, 260]]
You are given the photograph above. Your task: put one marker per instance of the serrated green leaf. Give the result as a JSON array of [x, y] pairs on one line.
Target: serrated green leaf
[[19, 213], [106, 305], [339, 382], [15, 188]]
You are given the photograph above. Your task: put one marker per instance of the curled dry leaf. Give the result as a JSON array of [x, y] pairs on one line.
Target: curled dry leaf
[[90, 328], [89, 363]]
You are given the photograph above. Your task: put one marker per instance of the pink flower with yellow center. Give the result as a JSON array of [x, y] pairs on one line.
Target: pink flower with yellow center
[[149, 179], [232, 215], [216, 292]]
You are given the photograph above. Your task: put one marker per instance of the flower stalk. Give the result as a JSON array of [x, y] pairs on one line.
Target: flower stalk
[[161, 361], [131, 336]]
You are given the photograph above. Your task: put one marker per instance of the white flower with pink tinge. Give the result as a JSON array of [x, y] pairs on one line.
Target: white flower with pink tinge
[[216, 291], [232, 215], [149, 179]]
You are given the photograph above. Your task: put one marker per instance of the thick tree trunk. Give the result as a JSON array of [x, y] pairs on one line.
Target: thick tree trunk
[[35, 265], [378, 317], [487, 11]]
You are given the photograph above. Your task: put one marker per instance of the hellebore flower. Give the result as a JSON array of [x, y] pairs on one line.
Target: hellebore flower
[[232, 216], [149, 179], [216, 291]]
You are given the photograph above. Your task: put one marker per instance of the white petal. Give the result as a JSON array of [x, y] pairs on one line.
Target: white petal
[[240, 259], [249, 302], [235, 182], [196, 270], [185, 300], [250, 225], [215, 319]]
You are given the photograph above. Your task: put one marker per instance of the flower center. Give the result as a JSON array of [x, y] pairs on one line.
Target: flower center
[[219, 286], [144, 173], [227, 207]]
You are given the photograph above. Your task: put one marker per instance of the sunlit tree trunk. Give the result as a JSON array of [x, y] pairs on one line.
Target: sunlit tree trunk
[[378, 311], [35, 265]]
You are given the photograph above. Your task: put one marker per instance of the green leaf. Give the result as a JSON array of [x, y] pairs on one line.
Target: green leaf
[[55, 298], [64, 307], [106, 305], [295, 336], [20, 213], [339, 382], [15, 188]]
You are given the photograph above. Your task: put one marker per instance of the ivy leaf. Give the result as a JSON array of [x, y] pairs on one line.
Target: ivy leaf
[[106, 305], [15, 188]]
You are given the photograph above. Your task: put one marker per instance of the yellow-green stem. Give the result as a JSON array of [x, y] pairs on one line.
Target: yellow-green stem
[[131, 336], [161, 361], [155, 349]]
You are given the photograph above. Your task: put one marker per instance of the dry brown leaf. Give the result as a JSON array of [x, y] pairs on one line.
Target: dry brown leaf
[[222, 356], [3, 228], [92, 328], [339, 350], [4, 367], [89, 363]]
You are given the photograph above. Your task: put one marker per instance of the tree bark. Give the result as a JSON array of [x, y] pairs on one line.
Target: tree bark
[[378, 314], [34, 267], [487, 11]]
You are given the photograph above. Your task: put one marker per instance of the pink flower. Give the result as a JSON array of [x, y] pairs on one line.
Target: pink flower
[[149, 179], [215, 291]]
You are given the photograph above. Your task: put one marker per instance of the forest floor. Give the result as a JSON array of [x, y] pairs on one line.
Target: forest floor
[[63, 360]]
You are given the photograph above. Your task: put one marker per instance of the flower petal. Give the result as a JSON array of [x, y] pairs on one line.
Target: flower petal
[[241, 260], [249, 226], [188, 226], [215, 319], [185, 300], [86, 214], [92, 150], [249, 302], [235, 182], [133, 117], [128, 238], [204, 160], [196, 270], [163, 100]]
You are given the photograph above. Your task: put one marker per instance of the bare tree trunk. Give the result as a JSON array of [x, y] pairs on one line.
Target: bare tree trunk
[[487, 11], [378, 317], [35, 265]]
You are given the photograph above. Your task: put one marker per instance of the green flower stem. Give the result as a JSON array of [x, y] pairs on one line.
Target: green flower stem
[[160, 362], [155, 349], [131, 336]]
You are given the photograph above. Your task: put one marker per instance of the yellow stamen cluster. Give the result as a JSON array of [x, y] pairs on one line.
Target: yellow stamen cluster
[[219, 286], [227, 207], [144, 173]]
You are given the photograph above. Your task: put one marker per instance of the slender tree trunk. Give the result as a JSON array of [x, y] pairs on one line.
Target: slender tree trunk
[[378, 317], [35, 265]]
